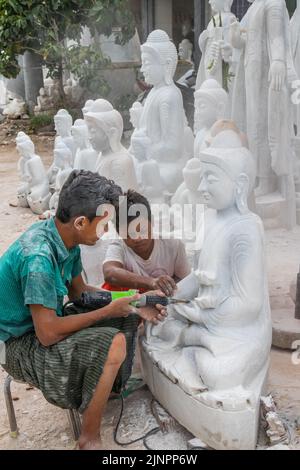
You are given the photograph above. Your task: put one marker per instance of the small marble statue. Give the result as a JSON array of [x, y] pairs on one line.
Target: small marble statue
[[215, 349], [105, 125], [159, 142], [135, 113], [215, 46], [15, 109], [85, 157], [25, 154], [62, 161], [61, 178], [185, 50], [261, 101], [35, 189], [211, 104], [63, 124]]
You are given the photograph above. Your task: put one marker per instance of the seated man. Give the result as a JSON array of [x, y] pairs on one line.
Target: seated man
[[75, 366], [142, 262]]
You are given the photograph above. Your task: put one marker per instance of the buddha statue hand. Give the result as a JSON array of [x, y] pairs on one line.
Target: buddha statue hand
[[235, 35], [277, 75], [226, 51]]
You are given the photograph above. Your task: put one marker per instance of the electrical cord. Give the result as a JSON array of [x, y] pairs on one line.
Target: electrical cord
[[142, 438]]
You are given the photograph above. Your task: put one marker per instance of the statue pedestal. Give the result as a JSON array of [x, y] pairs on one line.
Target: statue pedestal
[[233, 428]]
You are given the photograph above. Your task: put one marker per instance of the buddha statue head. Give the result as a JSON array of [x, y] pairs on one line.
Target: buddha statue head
[[211, 102], [88, 105], [185, 50], [228, 174], [80, 134], [159, 59], [25, 146], [219, 6], [63, 122], [105, 125], [135, 113]]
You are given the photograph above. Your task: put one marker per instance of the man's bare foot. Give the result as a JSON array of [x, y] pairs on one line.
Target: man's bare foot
[[89, 444]]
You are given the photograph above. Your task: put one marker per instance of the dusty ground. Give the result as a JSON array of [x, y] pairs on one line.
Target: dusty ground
[[43, 426]]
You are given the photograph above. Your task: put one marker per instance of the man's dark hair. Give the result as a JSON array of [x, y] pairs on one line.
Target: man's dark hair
[[82, 194], [131, 198]]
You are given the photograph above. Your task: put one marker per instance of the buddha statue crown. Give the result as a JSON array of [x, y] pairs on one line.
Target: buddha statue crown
[[212, 91], [63, 115], [23, 140], [159, 44]]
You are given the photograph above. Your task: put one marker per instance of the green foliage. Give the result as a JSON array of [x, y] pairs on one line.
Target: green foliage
[[86, 63], [42, 120], [43, 26]]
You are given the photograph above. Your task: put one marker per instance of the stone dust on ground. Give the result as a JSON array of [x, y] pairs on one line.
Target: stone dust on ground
[[43, 426]]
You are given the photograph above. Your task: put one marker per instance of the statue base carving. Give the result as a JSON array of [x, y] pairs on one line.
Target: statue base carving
[[223, 420]]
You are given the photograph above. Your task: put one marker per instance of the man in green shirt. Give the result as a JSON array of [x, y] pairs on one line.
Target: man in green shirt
[[75, 360]]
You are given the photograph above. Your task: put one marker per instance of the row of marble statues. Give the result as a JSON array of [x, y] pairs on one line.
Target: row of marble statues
[[211, 355]]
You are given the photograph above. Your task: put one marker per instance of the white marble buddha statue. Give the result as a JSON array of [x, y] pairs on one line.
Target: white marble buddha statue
[[25, 152], [135, 113], [85, 157], [211, 105], [36, 186], [62, 161], [261, 99], [63, 124], [215, 45], [220, 341], [185, 50], [159, 142], [105, 125]]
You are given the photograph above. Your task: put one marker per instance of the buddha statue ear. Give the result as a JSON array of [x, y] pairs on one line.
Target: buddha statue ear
[[168, 71], [114, 139], [241, 193]]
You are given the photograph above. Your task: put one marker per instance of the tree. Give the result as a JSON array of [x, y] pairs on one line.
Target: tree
[[42, 27]]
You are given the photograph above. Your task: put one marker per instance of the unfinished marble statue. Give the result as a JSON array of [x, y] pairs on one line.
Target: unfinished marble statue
[[212, 354], [15, 109], [62, 161], [159, 142], [211, 104], [185, 50], [262, 103], [215, 46], [63, 124], [105, 125], [85, 157], [35, 188]]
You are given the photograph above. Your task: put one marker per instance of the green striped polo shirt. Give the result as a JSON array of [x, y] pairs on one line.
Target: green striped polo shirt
[[35, 270]]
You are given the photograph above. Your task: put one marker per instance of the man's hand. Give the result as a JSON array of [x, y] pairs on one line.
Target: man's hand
[[164, 283], [153, 315], [277, 75], [122, 307]]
